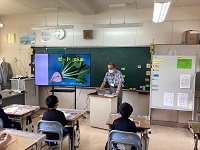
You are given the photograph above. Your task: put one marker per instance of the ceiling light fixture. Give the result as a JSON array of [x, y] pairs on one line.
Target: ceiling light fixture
[[119, 25], [1, 25], [52, 27], [160, 10], [46, 27], [124, 25]]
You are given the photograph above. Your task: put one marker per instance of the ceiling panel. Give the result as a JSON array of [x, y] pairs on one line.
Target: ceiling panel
[[15, 7], [41, 4], [4, 12], [186, 3], [144, 4], [85, 7]]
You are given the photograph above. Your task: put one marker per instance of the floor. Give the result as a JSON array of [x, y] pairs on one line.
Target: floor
[[161, 138]]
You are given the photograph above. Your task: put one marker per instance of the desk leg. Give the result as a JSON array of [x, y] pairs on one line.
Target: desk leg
[[196, 142], [22, 121], [73, 137], [145, 140]]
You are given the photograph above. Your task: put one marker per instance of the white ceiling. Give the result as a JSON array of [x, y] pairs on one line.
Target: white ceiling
[[85, 7]]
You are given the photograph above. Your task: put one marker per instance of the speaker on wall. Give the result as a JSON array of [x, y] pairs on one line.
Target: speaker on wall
[[88, 34]]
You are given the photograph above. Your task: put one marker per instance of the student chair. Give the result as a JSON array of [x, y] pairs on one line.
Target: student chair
[[125, 138], [1, 123], [52, 127]]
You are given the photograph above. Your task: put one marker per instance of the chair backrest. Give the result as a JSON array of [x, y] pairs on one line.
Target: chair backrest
[[127, 138], [1, 123], [50, 127]]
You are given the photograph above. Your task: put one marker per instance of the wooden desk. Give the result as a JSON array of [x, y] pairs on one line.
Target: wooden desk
[[194, 126], [73, 116], [24, 140], [142, 125], [101, 107], [19, 113]]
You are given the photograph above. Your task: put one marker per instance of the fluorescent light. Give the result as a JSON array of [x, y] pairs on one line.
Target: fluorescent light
[[52, 27], [117, 5], [1, 25], [124, 25], [160, 10]]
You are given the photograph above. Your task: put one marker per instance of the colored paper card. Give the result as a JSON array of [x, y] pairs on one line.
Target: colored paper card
[[148, 73], [147, 85], [123, 76], [122, 69], [122, 85], [146, 79], [11, 38], [184, 63], [156, 75], [148, 65], [157, 61], [139, 66]]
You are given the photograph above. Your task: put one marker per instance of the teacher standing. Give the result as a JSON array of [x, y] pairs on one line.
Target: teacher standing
[[115, 80]]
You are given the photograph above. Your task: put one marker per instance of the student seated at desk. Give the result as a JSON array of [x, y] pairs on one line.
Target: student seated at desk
[[124, 123], [55, 115], [7, 123], [5, 138]]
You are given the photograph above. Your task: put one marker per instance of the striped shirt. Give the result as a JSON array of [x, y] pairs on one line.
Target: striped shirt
[[114, 77]]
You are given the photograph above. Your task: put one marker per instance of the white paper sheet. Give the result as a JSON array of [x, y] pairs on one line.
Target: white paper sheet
[[168, 99], [182, 100], [10, 110], [185, 81]]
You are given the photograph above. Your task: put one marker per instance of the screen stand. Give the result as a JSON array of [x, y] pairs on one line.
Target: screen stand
[[53, 90]]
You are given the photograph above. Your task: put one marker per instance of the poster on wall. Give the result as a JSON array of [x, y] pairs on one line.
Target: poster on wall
[[27, 38], [185, 81], [168, 99], [11, 38], [45, 35]]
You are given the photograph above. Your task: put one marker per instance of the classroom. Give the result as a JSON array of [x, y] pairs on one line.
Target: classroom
[[99, 74]]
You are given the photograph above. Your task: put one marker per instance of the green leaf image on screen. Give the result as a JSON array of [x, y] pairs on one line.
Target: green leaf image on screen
[[73, 67]]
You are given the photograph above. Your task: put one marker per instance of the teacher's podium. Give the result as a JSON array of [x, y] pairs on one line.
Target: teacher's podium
[[100, 109]]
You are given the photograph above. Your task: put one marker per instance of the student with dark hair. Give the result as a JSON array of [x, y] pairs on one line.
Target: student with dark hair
[[124, 123], [52, 114], [6, 121]]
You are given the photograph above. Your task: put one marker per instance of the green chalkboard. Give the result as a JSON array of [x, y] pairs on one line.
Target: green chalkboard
[[131, 61]]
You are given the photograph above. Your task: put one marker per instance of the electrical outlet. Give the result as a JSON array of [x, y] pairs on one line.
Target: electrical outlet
[[15, 59]]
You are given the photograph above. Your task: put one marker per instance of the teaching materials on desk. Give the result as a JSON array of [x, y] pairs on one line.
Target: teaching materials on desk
[[174, 82], [70, 115], [101, 92]]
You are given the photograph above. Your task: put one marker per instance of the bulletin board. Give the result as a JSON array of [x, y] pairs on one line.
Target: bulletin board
[[173, 82]]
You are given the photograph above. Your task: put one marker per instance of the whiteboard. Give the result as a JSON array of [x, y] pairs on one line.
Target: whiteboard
[[173, 82]]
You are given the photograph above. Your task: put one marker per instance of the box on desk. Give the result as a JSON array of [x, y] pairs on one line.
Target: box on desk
[[190, 37]]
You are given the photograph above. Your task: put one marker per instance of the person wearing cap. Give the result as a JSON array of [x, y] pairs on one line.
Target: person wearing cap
[[52, 114], [114, 78]]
